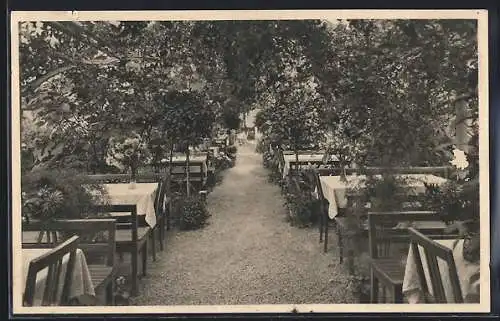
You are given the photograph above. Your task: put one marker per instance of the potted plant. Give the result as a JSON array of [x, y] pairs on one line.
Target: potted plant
[[50, 194]]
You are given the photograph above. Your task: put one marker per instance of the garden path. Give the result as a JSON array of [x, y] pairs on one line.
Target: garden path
[[248, 254]]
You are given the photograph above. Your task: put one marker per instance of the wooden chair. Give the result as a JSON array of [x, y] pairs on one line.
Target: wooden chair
[[147, 177], [197, 177], [386, 266], [96, 247], [324, 218], [53, 260], [432, 251], [130, 238], [162, 208]]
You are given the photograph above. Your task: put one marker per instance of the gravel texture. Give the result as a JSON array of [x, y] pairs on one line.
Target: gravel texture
[[248, 254]]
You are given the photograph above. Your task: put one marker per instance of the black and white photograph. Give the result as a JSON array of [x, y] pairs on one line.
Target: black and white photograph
[[246, 161]]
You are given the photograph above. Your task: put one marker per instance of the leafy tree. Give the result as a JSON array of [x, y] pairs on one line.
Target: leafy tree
[[190, 119]]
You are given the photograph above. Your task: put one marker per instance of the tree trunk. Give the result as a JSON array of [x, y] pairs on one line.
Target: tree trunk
[[187, 172], [297, 160], [171, 159]]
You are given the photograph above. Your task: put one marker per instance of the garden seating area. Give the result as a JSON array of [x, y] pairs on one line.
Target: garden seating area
[[377, 213], [144, 182], [130, 218]]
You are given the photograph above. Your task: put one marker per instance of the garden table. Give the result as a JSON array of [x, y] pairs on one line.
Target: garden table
[[143, 196], [468, 275], [303, 157], [81, 287], [334, 188]]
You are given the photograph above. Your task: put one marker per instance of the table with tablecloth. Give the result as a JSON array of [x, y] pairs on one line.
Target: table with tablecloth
[[142, 195], [468, 275], [334, 188], [82, 288], [303, 157]]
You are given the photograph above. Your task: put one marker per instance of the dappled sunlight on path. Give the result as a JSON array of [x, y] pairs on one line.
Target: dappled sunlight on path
[[248, 254]]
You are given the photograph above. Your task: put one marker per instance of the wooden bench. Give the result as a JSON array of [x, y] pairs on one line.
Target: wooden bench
[[99, 249], [386, 264], [53, 260]]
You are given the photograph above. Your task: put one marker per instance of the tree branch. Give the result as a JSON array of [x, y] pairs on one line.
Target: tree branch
[[38, 82]]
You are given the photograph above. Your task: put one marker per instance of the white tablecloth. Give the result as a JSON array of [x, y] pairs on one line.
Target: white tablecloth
[[143, 196], [334, 188], [81, 283], [468, 275], [290, 158]]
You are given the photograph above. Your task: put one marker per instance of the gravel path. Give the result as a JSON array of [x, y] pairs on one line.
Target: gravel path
[[248, 254]]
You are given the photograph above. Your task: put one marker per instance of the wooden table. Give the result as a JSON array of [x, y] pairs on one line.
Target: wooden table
[[82, 287], [143, 196], [468, 275], [334, 188]]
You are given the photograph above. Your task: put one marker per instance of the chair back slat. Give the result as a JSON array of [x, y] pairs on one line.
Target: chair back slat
[[388, 228], [436, 282], [133, 224], [434, 251], [52, 261], [123, 178], [442, 171], [100, 247]]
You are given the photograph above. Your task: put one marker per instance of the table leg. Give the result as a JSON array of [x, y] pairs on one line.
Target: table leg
[[144, 257], [162, 232], [153, 243]]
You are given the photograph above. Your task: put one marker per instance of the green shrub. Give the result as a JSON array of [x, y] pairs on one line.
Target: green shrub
[[57, 194], [303, 212], [193, 213], [267, 159], [231, 149], [303, 207]]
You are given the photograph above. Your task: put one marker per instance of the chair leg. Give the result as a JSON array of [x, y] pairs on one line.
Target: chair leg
[[321, 223], [153, 243], [144, 257], [325, 249], [373, 287], [135, 270], [398, 294], [110, 293]]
